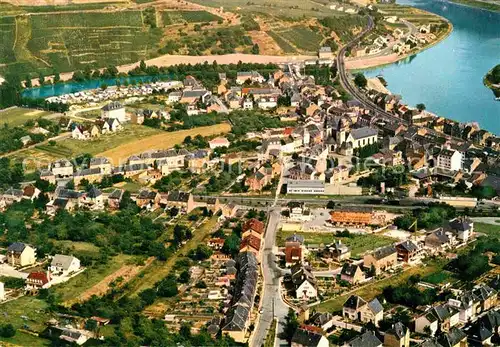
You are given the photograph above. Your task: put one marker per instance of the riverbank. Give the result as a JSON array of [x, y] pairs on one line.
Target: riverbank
[[169, 60], [373, 62], [484, 5], [492, 80]]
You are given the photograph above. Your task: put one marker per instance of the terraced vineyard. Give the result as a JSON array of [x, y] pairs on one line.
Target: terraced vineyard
[[180, 17], [7, 37], [72, 41], [303, 38], [297, 37]]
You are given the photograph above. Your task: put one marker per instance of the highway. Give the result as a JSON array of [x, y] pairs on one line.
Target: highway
[[353, 90]]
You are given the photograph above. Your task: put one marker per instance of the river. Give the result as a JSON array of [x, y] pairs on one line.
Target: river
[[448, 78]]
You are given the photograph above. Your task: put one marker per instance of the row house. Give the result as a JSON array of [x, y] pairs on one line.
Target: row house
[[409, 252], [442, 317], [101, 163], [352, 274], [357, 309], [92, 175], [381, 260], [184, 201]]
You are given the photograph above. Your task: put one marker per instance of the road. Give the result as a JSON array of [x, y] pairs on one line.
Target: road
[[271, 303], [351, 89]]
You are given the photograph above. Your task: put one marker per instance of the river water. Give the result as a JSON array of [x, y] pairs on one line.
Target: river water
[[448, 78]]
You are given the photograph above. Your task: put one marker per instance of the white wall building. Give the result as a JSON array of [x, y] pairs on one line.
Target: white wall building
[[449, 160], [114, 110]]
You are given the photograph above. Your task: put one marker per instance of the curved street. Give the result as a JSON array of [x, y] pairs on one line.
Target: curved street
[[351, 89]]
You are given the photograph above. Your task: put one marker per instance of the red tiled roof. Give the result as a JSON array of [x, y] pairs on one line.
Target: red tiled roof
[[255, 225], [251, 241], [39, 276]]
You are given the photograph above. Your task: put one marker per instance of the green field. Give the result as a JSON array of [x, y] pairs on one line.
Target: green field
[[358, 243], [69, 148], [487, 229], [371, 290], [480, 4], [179, 17], [70, 41], [284, 45], [25, 312], [91, 276], [198, 16], [73, 7], [301, 37], [7, 38], [158, 269], [18, 116], [282, 8]]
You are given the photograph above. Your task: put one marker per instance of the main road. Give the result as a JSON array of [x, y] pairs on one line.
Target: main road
[[272, 305], [351, 89]]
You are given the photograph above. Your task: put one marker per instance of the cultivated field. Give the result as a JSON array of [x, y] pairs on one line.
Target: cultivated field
[[301, 37], [373, 289], [69, 148], [160, 141], [68, 41], [81, 286], [18, 116], [359, 243], [25, 311]]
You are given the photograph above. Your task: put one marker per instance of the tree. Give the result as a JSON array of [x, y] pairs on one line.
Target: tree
[[255, 49], [142, 65], [360, 80], [184, 277], [7, 330], [291, 325], [41, 78], [421, 107], [148, 296], [168, 287], [57, 77], [231, 245], [91, 325], [27, 82], [104, 86]]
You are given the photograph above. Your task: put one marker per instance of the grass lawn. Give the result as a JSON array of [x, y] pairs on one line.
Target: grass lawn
[[77, 247], [25, 312], [72, 148], [438, 277], [18, 116], [132, 187], [371, 290], [158, 269], [487, 229], [90, 277], [358, 243]]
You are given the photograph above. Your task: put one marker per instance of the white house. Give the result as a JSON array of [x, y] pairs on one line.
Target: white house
[[442, 317], [64, 265], [266, 103], [62, 168], [253, 76], [114, 110], [304, 282], [111, 125], [362, 137], [449, 160], [247, 104]]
